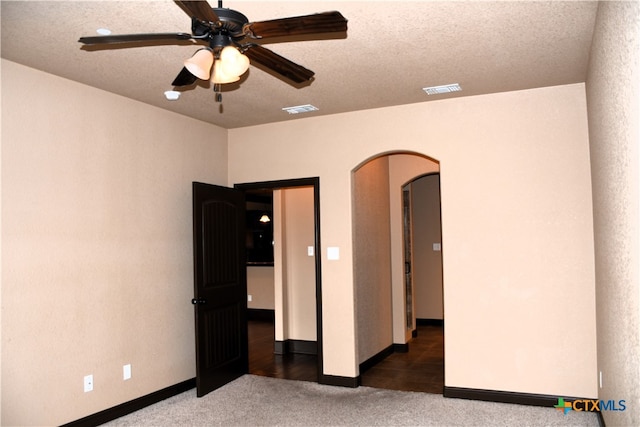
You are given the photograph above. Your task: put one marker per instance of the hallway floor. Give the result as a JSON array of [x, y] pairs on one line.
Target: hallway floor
[[420, 369], [262, 360]]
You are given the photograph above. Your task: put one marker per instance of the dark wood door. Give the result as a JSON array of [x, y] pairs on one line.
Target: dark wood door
[[220, 286]]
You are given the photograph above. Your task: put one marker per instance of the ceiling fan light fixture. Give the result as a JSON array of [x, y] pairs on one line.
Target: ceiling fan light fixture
[[220, 77], [225, 30], [233, 62], [200, 63]]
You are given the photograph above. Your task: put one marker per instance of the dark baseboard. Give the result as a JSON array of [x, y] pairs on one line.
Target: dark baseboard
[[504, 396], [601, 422], [429, 322], [375, 359], [339, 381], [303, 347], [280, 347], [132, 405], [380, 356], [295, 346], [401, 348], [262, 314]]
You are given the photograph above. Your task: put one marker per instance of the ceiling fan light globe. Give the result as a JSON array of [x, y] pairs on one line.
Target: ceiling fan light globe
[[200, 64], [233, 62], [229, 53], [220, 76]]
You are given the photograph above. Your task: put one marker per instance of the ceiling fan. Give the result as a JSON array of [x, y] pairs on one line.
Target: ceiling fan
[[230, 40]]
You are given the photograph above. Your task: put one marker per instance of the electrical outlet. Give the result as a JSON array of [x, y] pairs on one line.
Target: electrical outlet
[[88, 383], [126, 372]]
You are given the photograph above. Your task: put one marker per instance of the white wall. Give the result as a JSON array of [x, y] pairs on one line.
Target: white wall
[[613, 95], [517, 227], [97, 267]]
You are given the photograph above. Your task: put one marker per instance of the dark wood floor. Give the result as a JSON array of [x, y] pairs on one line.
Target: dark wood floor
[[420, 369], [262, 360]]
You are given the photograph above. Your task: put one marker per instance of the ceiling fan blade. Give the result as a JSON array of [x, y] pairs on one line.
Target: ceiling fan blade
[[198, 9], [327, 22], [184, 78], [128, 38], [278, 64]]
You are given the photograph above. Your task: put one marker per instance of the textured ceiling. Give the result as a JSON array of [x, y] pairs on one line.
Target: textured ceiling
[[392, 50]]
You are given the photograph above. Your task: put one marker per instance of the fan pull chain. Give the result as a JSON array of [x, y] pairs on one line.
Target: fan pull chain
[[216, 89]]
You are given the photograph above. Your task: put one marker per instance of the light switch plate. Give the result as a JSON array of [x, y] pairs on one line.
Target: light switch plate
[[126, 372], [333, 253], [437, 247], [310, 250]]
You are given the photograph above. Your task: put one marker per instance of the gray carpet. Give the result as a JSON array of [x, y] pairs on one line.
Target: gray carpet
[[261, 401]]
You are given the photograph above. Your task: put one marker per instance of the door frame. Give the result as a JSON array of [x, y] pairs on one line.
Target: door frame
[[304, 182]]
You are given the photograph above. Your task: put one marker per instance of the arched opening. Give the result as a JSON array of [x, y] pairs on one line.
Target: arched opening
[[385, 189]]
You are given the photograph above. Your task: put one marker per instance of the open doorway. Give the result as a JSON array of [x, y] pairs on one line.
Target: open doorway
[[399, 347], [283, 279], [423, 244]]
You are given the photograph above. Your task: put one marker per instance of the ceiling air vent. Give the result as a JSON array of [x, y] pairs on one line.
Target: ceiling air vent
[[435, 90], [300, 109]]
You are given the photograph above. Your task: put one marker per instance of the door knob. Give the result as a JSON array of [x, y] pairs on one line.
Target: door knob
[[195, 301]]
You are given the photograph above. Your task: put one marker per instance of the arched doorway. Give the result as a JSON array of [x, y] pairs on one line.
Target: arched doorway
[[385, 301]]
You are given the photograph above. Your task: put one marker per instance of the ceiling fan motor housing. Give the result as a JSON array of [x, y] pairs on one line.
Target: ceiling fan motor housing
[[232, 22]]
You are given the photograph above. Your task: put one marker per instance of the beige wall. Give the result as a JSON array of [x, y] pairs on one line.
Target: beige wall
[[294, 269], [517, 227], [260, 285], [97, 268], [372, 258], [427, 262], [613, 95], [1, 263], [299, 271]]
